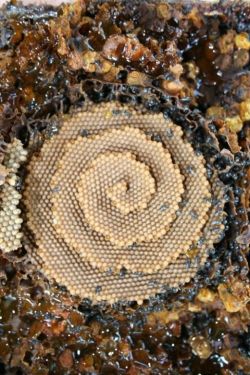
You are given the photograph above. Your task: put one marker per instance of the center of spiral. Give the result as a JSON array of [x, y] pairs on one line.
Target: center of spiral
[[123, 187], [128, 183]]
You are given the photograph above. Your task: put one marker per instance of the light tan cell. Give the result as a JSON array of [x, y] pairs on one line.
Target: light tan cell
[[116, 201]]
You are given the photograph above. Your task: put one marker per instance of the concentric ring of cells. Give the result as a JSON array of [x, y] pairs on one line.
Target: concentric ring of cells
[[117, 201]]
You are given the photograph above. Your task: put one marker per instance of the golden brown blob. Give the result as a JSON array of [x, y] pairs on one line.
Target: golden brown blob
[[117, 201]]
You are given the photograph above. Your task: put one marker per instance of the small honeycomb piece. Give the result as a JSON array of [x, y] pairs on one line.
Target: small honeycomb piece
[[10, 220]]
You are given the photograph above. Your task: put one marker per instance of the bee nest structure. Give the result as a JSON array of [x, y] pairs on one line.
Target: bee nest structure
[[117, 202]]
